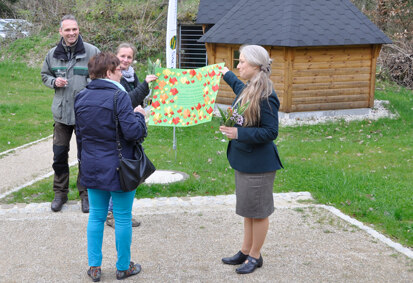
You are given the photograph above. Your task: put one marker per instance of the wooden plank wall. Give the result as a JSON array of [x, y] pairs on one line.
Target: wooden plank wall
[[328, 78], [223, 53], [278, 73], [312, 78]]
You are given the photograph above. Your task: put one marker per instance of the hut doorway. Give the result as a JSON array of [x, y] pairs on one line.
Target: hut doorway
[[191, 53]]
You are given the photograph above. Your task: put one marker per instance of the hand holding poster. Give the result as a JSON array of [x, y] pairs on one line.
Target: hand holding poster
[[183, 97]]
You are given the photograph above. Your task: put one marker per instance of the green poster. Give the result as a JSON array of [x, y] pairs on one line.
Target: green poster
[[183, 97]]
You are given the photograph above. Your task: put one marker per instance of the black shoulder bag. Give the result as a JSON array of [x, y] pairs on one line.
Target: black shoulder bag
[[132, 172]]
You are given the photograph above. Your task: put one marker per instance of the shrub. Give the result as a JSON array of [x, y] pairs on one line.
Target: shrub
[[395, 18], [106, 23]]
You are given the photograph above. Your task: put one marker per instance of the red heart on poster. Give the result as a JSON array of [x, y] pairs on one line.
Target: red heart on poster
[[156, 104], [175, 120], [174, 91]]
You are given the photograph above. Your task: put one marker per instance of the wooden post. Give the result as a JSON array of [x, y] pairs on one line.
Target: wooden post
[[375, 51], [288, 79], [210, 47]]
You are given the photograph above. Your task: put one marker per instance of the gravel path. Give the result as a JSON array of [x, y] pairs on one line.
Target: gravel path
[[183, 240], [23, 165]]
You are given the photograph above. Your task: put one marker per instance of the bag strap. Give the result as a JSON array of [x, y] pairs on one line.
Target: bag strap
[[115, 110]]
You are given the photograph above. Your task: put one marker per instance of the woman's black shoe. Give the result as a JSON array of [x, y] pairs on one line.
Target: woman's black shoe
[[250, 265], [236, 259]]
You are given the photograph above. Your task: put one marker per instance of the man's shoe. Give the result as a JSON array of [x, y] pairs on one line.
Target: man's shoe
[[250, 265], [236, 259], [94, 273], [110, 220], [133, 270], [85, 205], [58, 203], [135, 223]]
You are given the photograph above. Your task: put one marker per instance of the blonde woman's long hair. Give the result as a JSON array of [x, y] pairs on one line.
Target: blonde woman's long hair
[[259, 87]]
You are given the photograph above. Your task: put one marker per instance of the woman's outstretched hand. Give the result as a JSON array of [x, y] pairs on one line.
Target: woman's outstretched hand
[[150, 78], [223, 71]]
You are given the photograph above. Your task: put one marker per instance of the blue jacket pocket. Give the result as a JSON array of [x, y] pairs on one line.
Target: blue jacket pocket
[[242, 146]]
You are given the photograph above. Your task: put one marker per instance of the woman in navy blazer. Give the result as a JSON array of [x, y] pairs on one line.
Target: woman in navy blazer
[[252, 152], [99, 159]]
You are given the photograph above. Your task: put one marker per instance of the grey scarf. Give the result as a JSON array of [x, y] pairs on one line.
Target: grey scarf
[[129, 74]]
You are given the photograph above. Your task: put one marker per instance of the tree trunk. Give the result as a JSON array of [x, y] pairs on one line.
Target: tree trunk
[[382, 14]]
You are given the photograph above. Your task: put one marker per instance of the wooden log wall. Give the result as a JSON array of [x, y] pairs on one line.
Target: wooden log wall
[[224, 53], [328, 78], [281, 74], [312, 78]]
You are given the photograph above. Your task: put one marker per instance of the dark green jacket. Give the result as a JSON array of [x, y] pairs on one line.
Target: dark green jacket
[[74, 63]]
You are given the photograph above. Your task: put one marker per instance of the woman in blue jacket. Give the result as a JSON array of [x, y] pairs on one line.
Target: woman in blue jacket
[[252, 152], [99, 160]]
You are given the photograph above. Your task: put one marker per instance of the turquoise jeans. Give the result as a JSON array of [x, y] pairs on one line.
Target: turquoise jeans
[[122, 212]]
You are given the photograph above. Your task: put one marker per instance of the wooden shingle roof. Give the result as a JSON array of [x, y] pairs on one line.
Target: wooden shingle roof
[[290, 23]]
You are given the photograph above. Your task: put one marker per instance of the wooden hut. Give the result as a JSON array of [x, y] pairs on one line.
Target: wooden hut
[[324, 51]]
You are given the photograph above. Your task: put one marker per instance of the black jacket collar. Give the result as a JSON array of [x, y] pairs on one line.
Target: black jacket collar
[[60, 51]]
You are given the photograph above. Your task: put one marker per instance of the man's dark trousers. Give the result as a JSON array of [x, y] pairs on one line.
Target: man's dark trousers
[[61, 146]]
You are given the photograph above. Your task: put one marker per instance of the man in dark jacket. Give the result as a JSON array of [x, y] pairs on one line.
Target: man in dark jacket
[[65, 70]]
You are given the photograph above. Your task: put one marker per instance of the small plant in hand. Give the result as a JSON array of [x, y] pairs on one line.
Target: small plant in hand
[[232, 116], [151, 68], [150, 71]]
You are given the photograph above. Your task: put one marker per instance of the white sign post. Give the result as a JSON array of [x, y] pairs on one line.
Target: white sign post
[[171, 35], [171, 41]]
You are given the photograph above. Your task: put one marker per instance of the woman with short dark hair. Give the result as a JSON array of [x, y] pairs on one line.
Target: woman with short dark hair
[[99, 159]]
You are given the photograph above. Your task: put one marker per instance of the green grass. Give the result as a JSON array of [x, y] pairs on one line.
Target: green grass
[[31, 49], [200, 154], [25, 103], [364, 168]]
